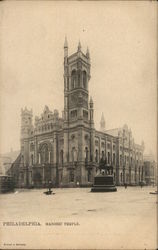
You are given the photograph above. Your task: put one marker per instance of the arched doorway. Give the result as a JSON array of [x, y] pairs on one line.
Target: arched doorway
[[37, 179]]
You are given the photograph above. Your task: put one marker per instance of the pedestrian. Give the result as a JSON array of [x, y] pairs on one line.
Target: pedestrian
[[49, 187], [125, 185]]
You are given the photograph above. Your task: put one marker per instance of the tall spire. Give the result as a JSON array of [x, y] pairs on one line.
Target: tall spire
[[65, 43], [102, 123], [79, 46]]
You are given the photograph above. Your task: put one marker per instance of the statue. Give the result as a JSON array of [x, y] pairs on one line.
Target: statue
[[104, 181]]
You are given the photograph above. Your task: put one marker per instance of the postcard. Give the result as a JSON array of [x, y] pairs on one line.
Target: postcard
[[78, 130]]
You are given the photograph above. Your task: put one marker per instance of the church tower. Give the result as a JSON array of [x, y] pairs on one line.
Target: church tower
[[78, 116], [26, 132], [76, 78], [26, 123]]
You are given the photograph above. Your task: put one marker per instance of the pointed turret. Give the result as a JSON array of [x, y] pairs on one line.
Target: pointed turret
[[91, 112], [79, 46], [65, 43], [65, 47], [91, 102], [87, 53], [102, 123]]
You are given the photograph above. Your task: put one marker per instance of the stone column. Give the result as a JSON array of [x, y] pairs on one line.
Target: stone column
[[43, 175], [39, 158], [35, 151], [49, 157]]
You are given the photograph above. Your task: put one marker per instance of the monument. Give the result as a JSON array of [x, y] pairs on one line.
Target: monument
[[104, 180]]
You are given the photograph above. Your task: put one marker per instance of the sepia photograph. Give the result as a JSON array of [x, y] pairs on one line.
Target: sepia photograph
[[78, 127]]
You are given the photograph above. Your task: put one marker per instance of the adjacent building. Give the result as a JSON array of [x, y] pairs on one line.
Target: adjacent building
[[6, 161], [150, 170], [67, 150]]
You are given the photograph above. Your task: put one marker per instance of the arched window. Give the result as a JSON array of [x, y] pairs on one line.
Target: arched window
[[86, 154], [120, 159], [50, 156], [89, 175], [73, 79], [71, 176], [79, 76], [31, 147], [108, 157], [62, 157], [32, 160], [84, 80], [96, 155], [114, 158], [44, 154], [74, 154], [139, 173], [121, 176], [126, 177], [79, 80], [102, 155]]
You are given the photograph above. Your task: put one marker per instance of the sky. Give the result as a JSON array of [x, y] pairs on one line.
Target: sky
[[121, 37]]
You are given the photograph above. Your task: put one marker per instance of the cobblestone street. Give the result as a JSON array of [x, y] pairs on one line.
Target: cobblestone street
[[77, 218]]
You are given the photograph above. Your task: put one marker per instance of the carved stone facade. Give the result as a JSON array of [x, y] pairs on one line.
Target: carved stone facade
[[67, 150]]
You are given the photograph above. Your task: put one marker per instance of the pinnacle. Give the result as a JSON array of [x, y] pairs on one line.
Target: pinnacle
[[87, 53], [79, 46], [65, 43]]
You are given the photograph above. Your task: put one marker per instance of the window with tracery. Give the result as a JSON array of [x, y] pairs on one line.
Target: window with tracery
[[73, 79]]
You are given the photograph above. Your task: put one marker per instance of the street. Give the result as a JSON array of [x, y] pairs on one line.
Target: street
[[78, 219]]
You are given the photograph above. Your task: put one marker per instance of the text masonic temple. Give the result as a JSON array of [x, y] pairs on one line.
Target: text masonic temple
[[67, 150]]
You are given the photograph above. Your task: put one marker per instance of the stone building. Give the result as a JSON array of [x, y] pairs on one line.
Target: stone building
[[150, 170], [67, 150]]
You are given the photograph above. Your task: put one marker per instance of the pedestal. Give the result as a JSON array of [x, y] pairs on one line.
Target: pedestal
[[103, 183]]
